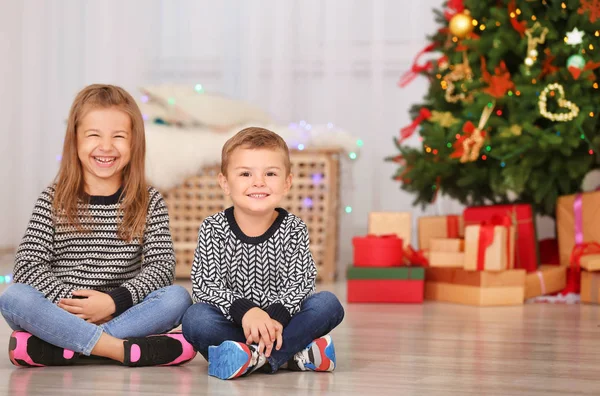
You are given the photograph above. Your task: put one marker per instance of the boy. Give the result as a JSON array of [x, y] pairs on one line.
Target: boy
[[253, 276]]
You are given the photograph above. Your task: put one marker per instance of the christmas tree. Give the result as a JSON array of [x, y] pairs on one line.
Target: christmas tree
[[512, 111]]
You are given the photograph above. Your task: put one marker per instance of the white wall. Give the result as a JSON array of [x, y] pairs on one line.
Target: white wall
[[322, 61]]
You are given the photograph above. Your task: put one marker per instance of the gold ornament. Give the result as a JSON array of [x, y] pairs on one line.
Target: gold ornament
[[532, 42], [461, 24], [459, 72], [562, 102], [514, 130], [473, 144], [444, 118]]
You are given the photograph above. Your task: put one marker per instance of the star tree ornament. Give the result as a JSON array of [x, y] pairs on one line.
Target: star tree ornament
[[574, 37]]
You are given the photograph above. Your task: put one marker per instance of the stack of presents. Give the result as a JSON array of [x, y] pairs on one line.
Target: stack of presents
[[488, 256]]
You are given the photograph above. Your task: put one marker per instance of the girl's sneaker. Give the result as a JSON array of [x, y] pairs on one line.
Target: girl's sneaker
[[168, 349], [26, 350], [319, 355], [233, 359]]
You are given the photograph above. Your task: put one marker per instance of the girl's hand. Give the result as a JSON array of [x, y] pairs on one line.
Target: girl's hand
[[94, 307]]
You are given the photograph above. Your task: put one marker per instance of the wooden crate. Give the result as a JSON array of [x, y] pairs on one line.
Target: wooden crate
[[313, 197]]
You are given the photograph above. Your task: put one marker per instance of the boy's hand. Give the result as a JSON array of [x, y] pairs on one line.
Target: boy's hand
[[268, 348], [259, 329], [278, 337], [93, 308]]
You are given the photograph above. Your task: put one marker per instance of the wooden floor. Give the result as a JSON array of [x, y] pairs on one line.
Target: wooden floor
[[429, 349]]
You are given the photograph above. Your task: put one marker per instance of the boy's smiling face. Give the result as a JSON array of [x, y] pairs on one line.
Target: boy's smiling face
[[256, 180]]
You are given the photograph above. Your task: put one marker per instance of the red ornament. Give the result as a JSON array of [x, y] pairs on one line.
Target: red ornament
[[500, 83], [575, 71], [593, 6]]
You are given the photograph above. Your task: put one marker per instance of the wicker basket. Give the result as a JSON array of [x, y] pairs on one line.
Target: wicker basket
[[313, 197]]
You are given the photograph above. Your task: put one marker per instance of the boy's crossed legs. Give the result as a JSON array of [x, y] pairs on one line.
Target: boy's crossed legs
[[304, 346]]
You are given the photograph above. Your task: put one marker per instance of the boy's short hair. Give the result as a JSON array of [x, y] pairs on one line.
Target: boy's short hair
[[255, 138]]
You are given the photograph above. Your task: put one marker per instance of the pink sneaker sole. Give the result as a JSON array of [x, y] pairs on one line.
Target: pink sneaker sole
[[19, 356], [188, 350]]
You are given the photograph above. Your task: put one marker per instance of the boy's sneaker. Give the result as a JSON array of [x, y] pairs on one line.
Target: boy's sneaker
[[169, 349], [232, 359], [319, 355], [26, 350]]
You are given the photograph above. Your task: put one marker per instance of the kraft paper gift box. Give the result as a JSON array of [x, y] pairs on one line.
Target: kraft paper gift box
[[590, 262], [384, 223], [479, 288], [520, 216], [390, 285], [446, 253], [432, 227], [548, 279], [448, 245], [590, 287], [577, 222], [489, 248]]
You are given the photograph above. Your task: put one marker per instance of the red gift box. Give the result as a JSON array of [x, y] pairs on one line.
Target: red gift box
[[377, 251], [521, 217], [385, 291]]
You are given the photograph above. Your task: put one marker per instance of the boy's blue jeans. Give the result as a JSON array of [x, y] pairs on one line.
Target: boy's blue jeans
[[25, 308], [204, 325]]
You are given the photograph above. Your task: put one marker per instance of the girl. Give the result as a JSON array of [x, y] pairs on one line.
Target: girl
[[95, 268]]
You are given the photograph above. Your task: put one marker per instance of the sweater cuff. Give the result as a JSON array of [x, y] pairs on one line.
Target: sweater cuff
[[122, 298], [239, 308], [280, 313]]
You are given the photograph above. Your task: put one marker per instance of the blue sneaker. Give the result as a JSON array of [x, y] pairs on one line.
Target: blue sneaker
[[319, 355], [233, 359]]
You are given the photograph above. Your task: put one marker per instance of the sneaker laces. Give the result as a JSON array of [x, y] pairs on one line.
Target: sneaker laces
[[302, 358]]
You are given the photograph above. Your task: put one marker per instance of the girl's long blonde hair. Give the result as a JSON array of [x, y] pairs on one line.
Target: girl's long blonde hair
[[69, 181]]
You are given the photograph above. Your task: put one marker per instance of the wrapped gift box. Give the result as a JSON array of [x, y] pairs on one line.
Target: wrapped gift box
[[377, 251], [433, 227], [384, 223], [548, 279], [448, 245], [521, 217], [590, 287], [478, 288], [577, 222], [446, 259], [489, 248], [590, 262], [385, 285]]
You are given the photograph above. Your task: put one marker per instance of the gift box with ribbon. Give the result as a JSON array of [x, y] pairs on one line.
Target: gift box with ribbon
[[385, 285], [415, 257], [577, 222], [377, 251], [526, 253], [585, 255], [398, 223], [431, 227], [478, 288], [590, 287], [490, 246], [548, 279]]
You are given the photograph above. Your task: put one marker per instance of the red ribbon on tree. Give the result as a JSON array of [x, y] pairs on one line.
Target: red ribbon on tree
[[521, 26], [468, 129], [416, 68], [454, 7], [407, 131]]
